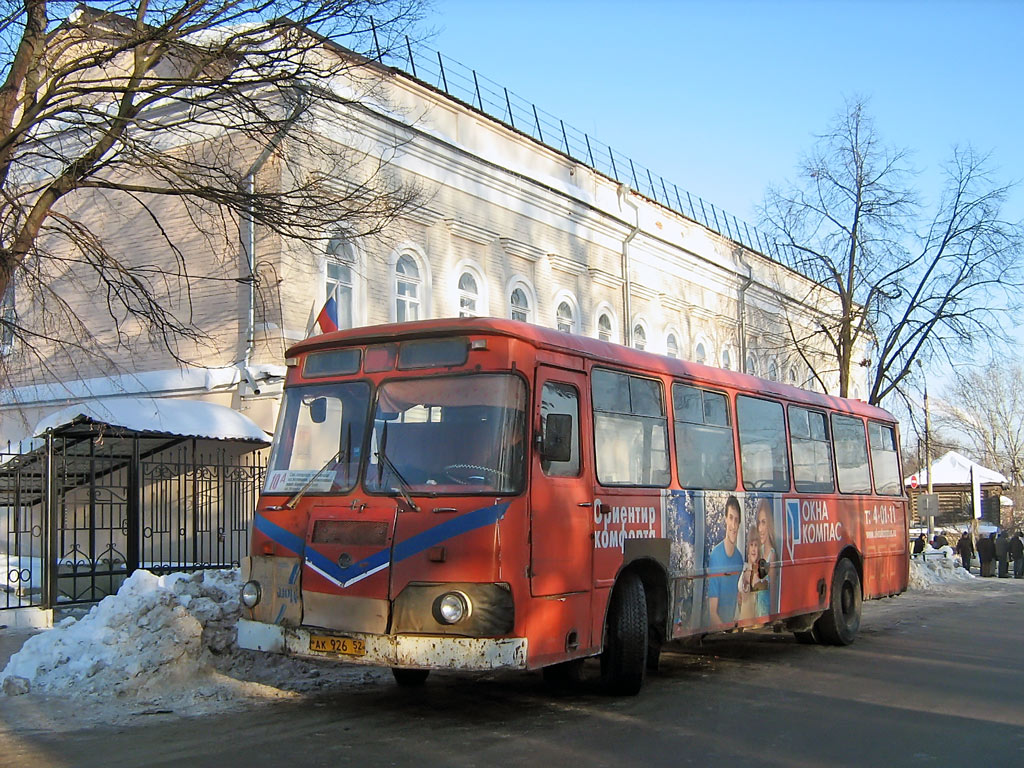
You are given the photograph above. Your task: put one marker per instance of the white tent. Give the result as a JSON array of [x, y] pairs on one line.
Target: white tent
[[956, 469]]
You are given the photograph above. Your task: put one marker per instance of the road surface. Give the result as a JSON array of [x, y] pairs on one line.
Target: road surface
[[934, 679]]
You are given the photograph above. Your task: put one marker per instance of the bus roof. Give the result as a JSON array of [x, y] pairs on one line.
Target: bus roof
[[594, 349]]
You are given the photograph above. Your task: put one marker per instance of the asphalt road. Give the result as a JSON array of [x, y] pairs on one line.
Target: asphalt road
[[933, 679]]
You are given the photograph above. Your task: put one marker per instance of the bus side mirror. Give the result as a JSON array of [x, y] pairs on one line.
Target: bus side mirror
[[318, 410], [557, 442]]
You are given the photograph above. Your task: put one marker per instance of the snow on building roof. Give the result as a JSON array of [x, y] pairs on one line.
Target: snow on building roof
[[955, 469], [191, 418]]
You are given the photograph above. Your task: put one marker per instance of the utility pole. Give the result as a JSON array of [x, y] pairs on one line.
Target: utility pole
[[927, 443]]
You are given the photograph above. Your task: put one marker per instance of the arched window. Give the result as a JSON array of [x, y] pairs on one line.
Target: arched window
[[700, 354], [793, 376], [751, 365], [671, 346], [519, 305], [773, 370], [565, 319], [408, 289], [639, 336], [339, 280], [726, 359], [604, 327], [469, 295]]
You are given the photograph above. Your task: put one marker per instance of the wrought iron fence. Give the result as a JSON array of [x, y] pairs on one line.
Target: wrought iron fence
[[80, 516], [470, 87]]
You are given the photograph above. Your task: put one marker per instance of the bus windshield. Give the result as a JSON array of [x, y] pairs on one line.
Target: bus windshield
[[449, 435], [319, 438]]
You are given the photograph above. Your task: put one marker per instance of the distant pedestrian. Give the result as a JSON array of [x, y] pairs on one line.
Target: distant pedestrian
[[1003, 555], [919, 544], [939, 541], [1017, 553], [987, 555], [965, 548]]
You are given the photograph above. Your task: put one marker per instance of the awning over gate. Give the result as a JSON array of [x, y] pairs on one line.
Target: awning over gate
[[155, 424]]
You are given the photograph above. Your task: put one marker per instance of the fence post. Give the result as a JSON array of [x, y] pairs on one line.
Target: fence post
[[134, 521], [51, 557]]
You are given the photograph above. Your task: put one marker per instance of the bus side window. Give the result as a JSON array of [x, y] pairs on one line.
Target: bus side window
[[851, 454], [565, 400], [763, 458], [630, 430], [812, 451], [884, 459], [704, 442]]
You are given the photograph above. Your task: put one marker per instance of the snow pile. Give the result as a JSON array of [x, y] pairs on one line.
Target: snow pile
[[158, 633], [936, 570], [165, 644]]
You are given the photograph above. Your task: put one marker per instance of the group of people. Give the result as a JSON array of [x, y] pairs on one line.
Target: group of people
[[1000, 551], [994, 552]]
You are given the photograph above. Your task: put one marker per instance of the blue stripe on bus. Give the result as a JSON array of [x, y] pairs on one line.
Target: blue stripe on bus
[[279, 535], [449, 529]]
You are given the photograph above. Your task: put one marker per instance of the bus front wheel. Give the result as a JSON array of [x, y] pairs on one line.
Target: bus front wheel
[[839, 624], [624, 658]]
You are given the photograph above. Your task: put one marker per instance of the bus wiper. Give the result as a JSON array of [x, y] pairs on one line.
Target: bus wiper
[[297, 496], [382, 458], [403, 486], [345, 450]]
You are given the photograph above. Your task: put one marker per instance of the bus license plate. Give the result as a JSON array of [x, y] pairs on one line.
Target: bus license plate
[[347, 646]]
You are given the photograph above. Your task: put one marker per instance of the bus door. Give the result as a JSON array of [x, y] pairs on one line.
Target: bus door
[[561, 486]]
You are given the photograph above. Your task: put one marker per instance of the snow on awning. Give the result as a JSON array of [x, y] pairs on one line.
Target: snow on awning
[[184, 418]]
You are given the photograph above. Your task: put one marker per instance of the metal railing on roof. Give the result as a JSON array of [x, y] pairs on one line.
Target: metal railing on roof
[[498, 102]]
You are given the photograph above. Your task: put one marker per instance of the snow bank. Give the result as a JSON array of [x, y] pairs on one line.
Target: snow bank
[[938, 569], [164, 644], [158, 633]]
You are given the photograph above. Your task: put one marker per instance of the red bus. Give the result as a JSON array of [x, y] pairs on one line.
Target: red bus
[[486, 494]]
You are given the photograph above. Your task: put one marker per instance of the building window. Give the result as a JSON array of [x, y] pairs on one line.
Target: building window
[[408, 286], [604, 327], [672, 346], [700, 354], [339, 279], [469, 295], [726, 359], [8, 319], [564, 318], [773, 371], [751, 365], [519, 305], [639, 337], [793, 375]]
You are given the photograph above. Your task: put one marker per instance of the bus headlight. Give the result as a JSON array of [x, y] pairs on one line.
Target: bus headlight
[[251, 594], [452, 607]]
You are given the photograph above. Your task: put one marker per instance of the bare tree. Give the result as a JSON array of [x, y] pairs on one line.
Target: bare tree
[[210, 111], [986, 406], [895, 283]]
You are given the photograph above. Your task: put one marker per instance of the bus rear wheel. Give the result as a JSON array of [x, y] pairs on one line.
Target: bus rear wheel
[[839, 624], [624, 659], [410, 678]]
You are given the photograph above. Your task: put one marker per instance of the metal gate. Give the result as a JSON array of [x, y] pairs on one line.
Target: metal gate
[[86, 507]]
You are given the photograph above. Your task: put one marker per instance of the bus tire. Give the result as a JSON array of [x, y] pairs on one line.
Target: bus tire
[[839, 624], [624, 659], [410, 678]]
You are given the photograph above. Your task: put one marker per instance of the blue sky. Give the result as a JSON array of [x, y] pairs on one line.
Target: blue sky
[[722, 98]]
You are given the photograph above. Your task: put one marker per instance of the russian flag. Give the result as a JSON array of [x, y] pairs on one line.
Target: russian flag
[[328, 317]]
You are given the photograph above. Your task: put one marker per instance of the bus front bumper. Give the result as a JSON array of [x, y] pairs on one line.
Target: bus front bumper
[[412, 651]]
